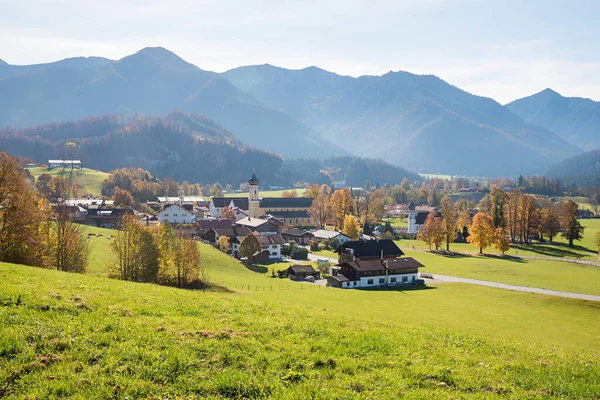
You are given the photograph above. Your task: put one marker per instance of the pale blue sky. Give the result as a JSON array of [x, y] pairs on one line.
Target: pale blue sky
[[500, 49]]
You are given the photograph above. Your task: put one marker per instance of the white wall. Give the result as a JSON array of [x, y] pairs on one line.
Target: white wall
[[176, 215], [274, 252]]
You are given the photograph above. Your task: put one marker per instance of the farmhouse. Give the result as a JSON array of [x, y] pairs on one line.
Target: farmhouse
[[88, 201], [375, 272], [232, 233], [177, 214], [71, 164], [269, 244], [105, 217], [323, 235], [296, 235], [301, 272], [217, 204]]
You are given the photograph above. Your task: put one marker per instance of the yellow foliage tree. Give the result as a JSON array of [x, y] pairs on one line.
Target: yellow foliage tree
[[432, 232], [224, 244], [482, 231], [351, 227], [500, 242]]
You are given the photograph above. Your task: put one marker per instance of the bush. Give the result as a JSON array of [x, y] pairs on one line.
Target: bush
[[286, 250], [314, 245], [299, 253]]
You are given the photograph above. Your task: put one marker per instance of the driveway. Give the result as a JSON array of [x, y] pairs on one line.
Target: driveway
[[445, 278]]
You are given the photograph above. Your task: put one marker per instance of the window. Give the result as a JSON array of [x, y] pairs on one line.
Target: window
[[381, 281], [274, 246], [404, 279], [412, 278], [393, 279], [369, 281], [354, 283]]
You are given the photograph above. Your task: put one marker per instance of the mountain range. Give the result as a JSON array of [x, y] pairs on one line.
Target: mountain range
[[416, 121], [188, 147], [575, 119], [582, 170]]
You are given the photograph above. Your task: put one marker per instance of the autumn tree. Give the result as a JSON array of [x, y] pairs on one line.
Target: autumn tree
[[249, 247], [351, 227], [500, 242], [227, 213], [287, 194], [341, 205], [432, 232], [449, 221], [24, 229], [44, 185], [319, 210], [136, 252], [122, 197], [224, 244], [550, 223], [482, 231], [312, 191], [228, 188], [187, 261], [572, 229], [69, 244], [598, 241], [216, 190], [464, 223]]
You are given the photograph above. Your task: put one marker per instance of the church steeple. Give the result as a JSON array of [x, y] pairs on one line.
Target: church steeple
[[253, 202]]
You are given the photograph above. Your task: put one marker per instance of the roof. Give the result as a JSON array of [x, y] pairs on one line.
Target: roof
[[184, 207], [240, 202], [406, 262], [183, 198], [325, 234], [289, 214], [88, 201], [339, 278], [265, 240], [366, 265], [372, 248], [296, 232], [233, 231], [253, 180], [253, 222], [302, 269], [286, 202], [420, 218], [206, 225]]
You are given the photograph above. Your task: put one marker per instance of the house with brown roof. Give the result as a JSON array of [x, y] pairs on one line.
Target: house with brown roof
[[296, 235], [362, 250], [375, 273], [301, 272]]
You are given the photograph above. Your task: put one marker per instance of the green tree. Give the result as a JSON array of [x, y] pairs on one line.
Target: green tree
[[136, 252], [249, 247], [367, 185], [497, 199]]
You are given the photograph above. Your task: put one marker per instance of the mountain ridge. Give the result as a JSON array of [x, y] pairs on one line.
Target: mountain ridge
[[576, 119]]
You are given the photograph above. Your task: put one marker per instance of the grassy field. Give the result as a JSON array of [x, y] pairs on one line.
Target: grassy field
[[89, 179], [252, 336], [66, 335]]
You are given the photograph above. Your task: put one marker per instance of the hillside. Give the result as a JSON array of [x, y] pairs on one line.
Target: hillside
[[181, 146], [88, 179], [417, 121], [152, 81], [583, 169], [92, 337], [575, 119]]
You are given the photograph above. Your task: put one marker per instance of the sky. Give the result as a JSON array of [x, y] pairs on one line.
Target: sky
[[503, 49]]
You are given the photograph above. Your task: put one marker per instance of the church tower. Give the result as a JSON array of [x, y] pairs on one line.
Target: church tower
[[412, 218], [253, 203]]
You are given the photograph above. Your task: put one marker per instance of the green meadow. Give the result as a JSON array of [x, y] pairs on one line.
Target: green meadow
[[252, 336], [89, 179]]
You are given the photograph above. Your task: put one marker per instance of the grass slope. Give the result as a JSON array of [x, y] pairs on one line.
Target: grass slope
[[89, 179], [65, 335]]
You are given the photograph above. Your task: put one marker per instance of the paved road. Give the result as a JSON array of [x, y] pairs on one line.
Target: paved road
[[445, 278]]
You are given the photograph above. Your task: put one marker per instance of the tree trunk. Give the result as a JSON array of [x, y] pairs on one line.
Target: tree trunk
[[481, 250]]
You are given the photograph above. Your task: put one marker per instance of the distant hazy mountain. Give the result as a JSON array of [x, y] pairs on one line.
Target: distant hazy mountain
[[573, 118], [152, 81], [583, 169], [2, 62], [418, 121], [185, 147]]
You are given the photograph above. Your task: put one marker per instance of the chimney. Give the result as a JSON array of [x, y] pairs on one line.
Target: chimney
[[381, 254]]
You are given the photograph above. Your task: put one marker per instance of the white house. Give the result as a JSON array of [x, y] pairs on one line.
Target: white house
[[273, 244], [181, 199], [177, 214], [323, 235], [74, 164], [375, 273], [217, 204]]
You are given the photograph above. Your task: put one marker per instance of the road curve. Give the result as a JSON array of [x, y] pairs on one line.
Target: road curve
[[582, 296]]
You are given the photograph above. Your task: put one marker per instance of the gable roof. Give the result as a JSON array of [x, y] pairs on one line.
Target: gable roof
[[286, 202], [253, 222], [296, 232], [302, 269], [325, 234], [240, 202], [372, 248], [379, 265], [233, 231], [405, 262], [420, 218], [205, 225], [366, 265], [289, 214], [172, 206], [265, 240]]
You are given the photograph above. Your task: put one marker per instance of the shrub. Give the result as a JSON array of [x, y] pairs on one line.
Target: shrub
[[299, 253], [314, 245]]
